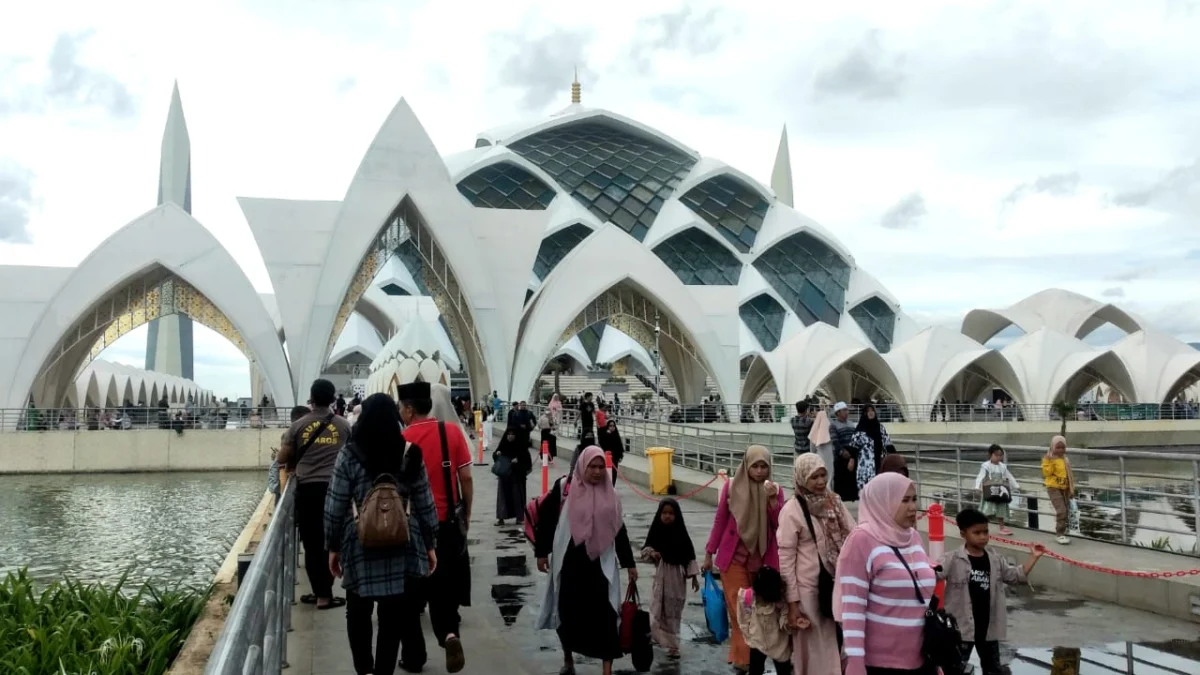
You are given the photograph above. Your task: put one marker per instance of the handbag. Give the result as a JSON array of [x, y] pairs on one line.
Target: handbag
[[716, 617], [942, 643], [458, 509], [629, 610], [502, 465], [824, 577], [998, 494]]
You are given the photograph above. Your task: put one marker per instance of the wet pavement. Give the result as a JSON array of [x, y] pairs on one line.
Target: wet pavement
[[506, 587]]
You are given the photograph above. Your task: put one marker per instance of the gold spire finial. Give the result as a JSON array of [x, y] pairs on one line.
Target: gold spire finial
[[576, 88]]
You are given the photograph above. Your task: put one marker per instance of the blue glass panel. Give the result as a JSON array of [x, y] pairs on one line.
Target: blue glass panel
[[556, 247], [764, 317], [734, 208], [506, 186], [811, 277], [699, 260], [618, 176], [877, 320]]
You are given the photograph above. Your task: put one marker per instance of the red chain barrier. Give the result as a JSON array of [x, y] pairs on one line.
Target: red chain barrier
[[1088, 566], [689, 495]]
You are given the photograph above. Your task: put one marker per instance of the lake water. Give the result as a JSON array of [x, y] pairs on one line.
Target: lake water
[[162, 527]]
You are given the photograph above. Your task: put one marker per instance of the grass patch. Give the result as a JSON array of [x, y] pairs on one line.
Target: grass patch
[[71, 628]]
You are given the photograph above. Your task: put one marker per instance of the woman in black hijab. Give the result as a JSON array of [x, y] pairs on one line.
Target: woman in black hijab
[[510, 489], [869, 424], [611, 443], [380, 581]]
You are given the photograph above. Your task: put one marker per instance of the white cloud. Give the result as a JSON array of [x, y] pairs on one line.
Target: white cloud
[[1082, 110]]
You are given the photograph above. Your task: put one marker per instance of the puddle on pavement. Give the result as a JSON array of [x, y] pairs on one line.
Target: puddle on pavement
[[1045, 602], [512, 566], [1176, 657], [509, 598]]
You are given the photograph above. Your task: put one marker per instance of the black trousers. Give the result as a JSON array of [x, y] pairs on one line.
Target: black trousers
[[989, 656], [758, 664], [877, 670], [398, 624], [310, 518], [551, 442], [444, 592]]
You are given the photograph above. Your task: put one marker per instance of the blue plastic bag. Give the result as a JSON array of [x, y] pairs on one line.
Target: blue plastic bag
[[715, 613]]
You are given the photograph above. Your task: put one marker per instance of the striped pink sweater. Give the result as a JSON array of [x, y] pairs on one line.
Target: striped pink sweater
[[882, 620]]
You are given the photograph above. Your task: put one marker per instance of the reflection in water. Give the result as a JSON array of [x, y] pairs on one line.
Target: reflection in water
[[511, 566], [510, 598], [170, 527], [1122, 658]]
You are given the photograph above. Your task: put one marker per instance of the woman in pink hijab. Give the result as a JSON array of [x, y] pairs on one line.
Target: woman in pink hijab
[[883, 582], [590, 544]]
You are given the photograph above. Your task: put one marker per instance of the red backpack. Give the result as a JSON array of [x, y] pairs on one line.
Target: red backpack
[[534, 507]]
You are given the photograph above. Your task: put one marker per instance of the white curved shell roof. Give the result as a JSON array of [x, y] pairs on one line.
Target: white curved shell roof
[[729, 269]]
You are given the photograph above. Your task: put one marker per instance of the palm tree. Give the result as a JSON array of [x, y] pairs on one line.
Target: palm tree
[[557, 368], [1064, 410]]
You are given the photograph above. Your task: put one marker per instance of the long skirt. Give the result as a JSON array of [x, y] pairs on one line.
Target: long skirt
[[733, 579], [551, 442], [815, 650], [668, 599], [510, 498], [587, 620]]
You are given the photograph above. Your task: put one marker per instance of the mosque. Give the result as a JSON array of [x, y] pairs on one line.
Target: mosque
[[584, 243]]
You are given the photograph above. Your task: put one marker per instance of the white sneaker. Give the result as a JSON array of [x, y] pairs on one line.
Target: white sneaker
[[1063, 540]]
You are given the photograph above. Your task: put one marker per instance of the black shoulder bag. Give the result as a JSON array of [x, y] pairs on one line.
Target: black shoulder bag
[[309, 443], [942, 643], [457, 511], [824, 576]]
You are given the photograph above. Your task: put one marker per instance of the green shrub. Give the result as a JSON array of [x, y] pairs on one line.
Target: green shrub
[[71, 628]]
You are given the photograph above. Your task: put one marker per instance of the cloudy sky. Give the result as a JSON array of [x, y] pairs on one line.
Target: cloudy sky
[[967, 153]]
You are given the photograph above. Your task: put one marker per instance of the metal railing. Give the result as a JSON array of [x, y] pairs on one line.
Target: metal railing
[[254, 638], [138, 417], [717, 411], [1130, 497]]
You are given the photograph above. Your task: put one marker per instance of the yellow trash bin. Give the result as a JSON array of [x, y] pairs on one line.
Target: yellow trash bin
[[660, 469]]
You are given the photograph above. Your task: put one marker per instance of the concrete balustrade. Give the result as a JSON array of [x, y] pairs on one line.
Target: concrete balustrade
[[137, 450]]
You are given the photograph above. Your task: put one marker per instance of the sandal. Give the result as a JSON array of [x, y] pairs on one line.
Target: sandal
[[309, 599], [333, 603]]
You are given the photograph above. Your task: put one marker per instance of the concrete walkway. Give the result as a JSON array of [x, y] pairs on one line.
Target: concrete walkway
[[498, 629]]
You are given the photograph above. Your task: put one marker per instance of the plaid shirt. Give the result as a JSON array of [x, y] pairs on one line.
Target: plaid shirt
[[374, 574]]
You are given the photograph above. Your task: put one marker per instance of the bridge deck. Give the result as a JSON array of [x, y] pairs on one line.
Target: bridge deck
[[498, 629]]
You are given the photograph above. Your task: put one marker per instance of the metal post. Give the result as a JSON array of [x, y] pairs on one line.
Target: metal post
[[657, 361], [1196, 495], [1031, 505], [958, 476], [1124, 504]]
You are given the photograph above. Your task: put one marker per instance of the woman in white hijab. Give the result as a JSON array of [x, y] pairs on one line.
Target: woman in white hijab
[[443, 409]]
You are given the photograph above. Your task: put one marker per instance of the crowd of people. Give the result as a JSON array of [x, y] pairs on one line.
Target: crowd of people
[[805, 585], [345, 459]]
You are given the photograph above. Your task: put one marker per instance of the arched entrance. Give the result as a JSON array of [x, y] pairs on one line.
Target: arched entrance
[[406, 235]]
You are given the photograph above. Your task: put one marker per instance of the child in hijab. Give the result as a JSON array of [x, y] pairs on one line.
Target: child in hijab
[[669, 547], [1060, 485]]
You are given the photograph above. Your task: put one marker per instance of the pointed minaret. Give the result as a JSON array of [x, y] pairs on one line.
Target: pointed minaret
[[781, 175], [576, 88], [169, 341]]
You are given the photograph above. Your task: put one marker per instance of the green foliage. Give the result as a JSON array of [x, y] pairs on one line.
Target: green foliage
[[70, 628], [615, 380], [1064, 410]]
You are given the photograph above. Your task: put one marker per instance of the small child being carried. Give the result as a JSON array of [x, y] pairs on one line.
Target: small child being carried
[[975, 582], [763, 619]]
